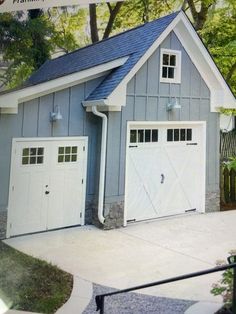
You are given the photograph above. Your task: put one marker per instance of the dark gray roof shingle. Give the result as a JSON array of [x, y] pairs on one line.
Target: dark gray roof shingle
[[133, 43]]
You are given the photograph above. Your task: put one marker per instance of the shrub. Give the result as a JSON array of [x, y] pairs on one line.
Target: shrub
[[224, 286]]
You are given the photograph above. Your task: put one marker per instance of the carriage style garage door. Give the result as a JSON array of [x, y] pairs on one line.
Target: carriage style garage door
[[47, 185], [165, 170]]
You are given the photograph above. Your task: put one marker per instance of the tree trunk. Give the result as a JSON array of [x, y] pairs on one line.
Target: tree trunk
[[113, 13], [93, 22]]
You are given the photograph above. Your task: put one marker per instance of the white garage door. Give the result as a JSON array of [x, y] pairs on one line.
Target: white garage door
[[165, 170], [47, 185]]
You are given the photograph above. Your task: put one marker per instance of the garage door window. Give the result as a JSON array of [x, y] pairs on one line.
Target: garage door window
[[32, 155], [176, 135], [144, 136], [67, 154]]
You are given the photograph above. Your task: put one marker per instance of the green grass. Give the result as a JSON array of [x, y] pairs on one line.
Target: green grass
[[29, 284]]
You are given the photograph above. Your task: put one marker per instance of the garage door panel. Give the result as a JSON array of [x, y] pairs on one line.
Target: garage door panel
[[170, 171], [67, 203], [46, 191]]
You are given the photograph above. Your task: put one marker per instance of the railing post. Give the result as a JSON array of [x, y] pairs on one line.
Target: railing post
[[100, 303], [232, 259]]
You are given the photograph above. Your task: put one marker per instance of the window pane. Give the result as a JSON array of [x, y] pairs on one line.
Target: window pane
[[40, 150], [147, 136], [169, 135], [74, 150], [32, 151], [176, 135], [67, 158], [39, 160], [61, 150], [182, 134], [60, 158], [133, 136], [74, 158], [68, 150], [165, 59], [173, 60], [189, 134], [140, 136], [32, 160], [171, 73], [25, 160], [164, 72], [154, 135], [25, 152]]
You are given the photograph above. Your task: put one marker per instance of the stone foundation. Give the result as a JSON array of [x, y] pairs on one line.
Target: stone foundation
[[3, 224], [213, 201], [114, 217]]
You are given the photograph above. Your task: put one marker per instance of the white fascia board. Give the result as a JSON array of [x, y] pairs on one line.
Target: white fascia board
[[99, 102], [105, 108], [221, 95], [12, 99]]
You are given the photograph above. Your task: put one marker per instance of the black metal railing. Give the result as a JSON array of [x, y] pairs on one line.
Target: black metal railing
[[100, 299]]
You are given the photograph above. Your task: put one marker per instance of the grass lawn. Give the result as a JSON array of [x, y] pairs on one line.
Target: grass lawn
[[29, 284]]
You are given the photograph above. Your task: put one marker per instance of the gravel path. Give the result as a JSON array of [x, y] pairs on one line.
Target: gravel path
[[135, 303]]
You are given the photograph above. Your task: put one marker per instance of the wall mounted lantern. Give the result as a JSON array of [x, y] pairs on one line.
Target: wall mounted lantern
[[173, 104], [55, 115]]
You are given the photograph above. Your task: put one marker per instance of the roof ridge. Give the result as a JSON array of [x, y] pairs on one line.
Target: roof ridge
[[116, 35]]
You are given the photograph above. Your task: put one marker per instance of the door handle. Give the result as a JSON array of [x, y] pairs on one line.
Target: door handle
[[162, 178], [47, 192]]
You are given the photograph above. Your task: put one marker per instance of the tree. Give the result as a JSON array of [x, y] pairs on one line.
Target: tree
[[113, 11], [219, 35], [25, 44], [199, 11]]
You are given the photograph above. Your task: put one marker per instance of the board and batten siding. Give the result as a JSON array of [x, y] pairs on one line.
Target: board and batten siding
[[33, 120], [146, 101]]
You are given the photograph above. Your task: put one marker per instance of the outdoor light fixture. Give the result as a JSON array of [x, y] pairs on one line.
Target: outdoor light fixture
[[55, 115], [173, 104]]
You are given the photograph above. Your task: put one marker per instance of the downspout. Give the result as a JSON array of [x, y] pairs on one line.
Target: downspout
[[102, 163]]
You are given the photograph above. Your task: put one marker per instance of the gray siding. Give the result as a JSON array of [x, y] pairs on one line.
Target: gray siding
[[33, 120], [146, 101]]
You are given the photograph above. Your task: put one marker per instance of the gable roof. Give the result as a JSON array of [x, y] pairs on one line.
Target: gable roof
[[131, 43]]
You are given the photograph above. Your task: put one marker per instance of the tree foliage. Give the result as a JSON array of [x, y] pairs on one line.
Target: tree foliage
[[219, 35], [25, 44]]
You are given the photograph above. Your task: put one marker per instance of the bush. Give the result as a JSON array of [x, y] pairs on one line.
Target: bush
[[224, 286]]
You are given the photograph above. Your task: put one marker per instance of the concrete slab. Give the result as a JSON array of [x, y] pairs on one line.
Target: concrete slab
[[142, 253], [80, 297], [204, 308]]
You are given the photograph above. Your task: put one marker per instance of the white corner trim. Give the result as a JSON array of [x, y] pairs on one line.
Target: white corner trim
[[12, 99]]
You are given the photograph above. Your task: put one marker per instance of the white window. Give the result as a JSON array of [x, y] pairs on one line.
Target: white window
[[170, 69]]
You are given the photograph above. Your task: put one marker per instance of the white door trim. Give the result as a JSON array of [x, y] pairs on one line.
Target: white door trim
[[47, 139], [201, 124]]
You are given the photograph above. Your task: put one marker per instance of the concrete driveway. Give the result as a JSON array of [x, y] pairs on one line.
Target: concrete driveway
[[142, 252]]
